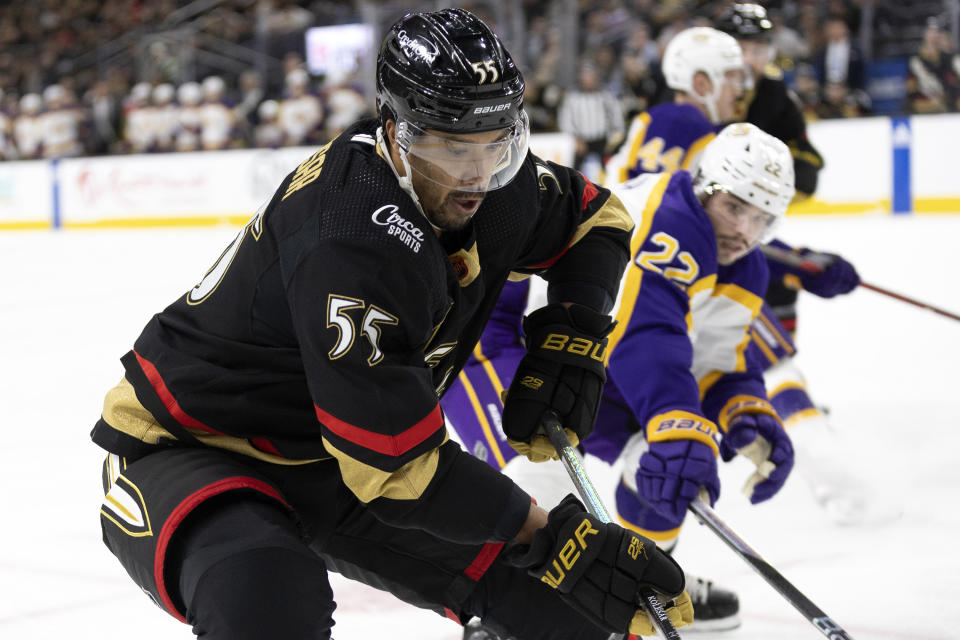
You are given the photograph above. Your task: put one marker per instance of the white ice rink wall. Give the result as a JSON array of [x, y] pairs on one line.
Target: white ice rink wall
[[873, 165]]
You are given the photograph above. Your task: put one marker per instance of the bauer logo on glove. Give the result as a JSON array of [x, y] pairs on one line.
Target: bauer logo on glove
[[562, 373], [568, 554]]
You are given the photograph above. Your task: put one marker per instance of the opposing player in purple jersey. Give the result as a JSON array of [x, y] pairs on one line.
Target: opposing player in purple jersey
[[705, 69], [681, 388]]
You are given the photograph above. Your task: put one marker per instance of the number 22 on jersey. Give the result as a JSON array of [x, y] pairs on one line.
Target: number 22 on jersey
[[658, 259]]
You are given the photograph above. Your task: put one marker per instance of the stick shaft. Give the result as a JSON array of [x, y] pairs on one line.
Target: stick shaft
[[824, 623], [794, 260], [572, 462]]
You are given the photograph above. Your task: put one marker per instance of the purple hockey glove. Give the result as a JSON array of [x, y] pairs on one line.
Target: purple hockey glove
[[838, 275], [760, 437], [671, 473]]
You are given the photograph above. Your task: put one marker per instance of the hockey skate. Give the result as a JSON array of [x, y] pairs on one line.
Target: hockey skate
[[714, 608]]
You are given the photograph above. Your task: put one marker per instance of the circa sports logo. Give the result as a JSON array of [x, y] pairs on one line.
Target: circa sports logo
[[408, 233], [415, 48]]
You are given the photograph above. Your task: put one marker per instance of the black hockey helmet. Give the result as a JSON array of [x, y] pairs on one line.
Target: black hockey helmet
[[446, 70], [746, 22]]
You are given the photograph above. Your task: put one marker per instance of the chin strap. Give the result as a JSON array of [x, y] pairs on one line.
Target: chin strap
[[405, 183]]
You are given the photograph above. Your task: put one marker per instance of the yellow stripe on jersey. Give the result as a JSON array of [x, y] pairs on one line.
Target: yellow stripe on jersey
[[800, 416], [612, 214], [695, 149], [744, 404], [776, 334], [683, 425], [369, 483], [643, 121], [751, 301], [790, 384], [482, 417], [762, 345], [708, 381], [123, 412], [631, 284]]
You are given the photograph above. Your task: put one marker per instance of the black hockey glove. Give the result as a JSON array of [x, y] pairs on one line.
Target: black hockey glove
[[598, 569], [562, 373]]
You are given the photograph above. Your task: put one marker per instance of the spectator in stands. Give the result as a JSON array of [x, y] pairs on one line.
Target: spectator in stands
[[933, 80], [807, 89], [105, 118], [787, 42], [838, 102], [251, 94], [301, 112], [189, 95], [642, 81], [541, 100], [164, 117], [344, 102], [217, 121], [7, 148], [61, 123], [840, 60], [137, 128], [594, 118], [268, 134]]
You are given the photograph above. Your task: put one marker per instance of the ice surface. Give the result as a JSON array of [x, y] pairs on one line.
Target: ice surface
[[74, 301]]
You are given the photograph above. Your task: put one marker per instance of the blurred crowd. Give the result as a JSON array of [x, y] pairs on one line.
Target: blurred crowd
[[60, 96]]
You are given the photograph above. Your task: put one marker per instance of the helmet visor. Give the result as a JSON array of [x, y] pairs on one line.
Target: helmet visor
[[473, 162]]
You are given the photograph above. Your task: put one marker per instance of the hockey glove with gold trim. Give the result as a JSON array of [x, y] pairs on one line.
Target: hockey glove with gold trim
[[598, 569], [753, 429], [562, 372]]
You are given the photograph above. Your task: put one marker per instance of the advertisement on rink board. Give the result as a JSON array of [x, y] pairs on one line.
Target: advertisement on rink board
[[872, 166], [183, 188]]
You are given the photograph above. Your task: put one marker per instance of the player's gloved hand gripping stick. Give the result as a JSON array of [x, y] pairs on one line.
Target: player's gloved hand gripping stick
[[650, 567], [801, 262], [561, 374]]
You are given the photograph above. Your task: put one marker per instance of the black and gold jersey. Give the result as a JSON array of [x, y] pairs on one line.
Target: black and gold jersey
[[773, 109], [334, 321]]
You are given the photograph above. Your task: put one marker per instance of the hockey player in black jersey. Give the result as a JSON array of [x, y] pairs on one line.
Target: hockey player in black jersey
[[769, 104], [282, 419]]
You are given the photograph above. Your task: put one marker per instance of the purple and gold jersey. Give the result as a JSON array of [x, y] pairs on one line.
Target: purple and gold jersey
[[679, 351], [668, 137]]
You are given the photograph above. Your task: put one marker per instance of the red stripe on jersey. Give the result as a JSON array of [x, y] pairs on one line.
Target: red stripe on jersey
[[590, 191], [265, 445], [169, 402], [549, 263], [450, 614], [182, 510], [483, 560], [790, 324], [381, 442]]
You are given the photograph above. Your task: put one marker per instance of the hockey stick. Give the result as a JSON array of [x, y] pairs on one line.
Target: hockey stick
[[574, 466], [794, 260], [810, 611]]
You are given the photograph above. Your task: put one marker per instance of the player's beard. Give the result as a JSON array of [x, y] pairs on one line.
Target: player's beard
[[456, 209], [731, 248]]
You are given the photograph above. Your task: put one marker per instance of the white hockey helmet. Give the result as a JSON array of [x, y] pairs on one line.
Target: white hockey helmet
[[752, 165], [701, 49]]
